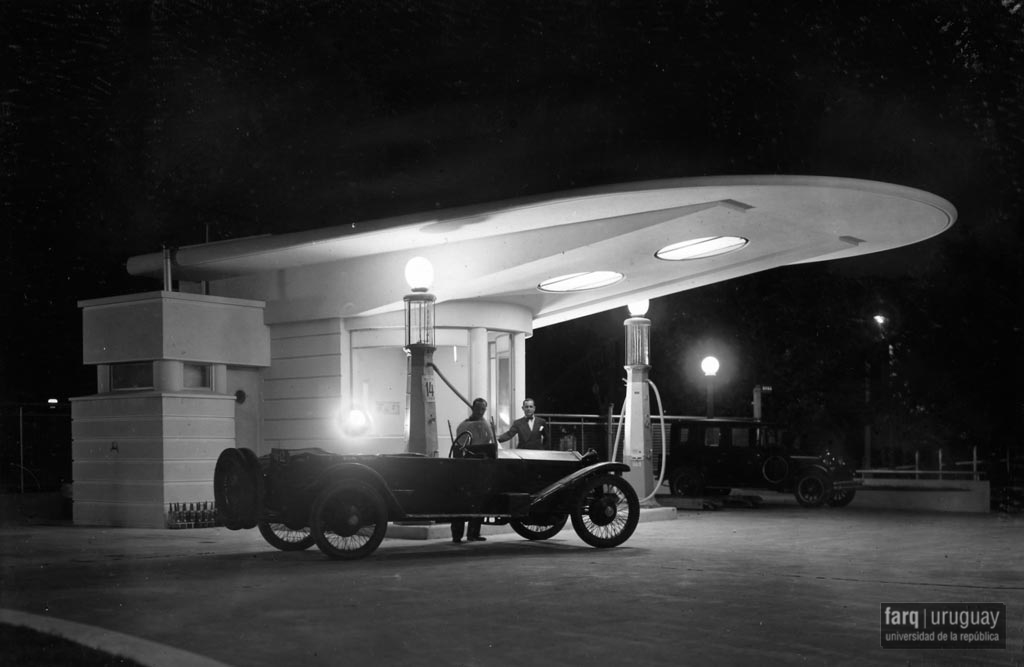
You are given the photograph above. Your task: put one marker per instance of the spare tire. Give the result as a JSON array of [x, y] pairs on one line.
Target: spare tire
[[238, 488]]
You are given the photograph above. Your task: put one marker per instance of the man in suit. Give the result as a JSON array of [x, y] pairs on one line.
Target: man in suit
[[532, 430]]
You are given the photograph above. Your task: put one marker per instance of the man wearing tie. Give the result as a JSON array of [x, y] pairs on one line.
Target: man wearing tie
[[532, 430]]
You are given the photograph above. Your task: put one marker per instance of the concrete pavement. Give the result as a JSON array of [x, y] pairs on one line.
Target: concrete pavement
[[773, 585]]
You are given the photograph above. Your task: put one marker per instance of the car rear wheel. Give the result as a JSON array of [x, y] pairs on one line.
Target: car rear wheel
[[813, 488], [349, 519], [606, 511], [238, 488], [841, 497], [280, 536], [532, 530]]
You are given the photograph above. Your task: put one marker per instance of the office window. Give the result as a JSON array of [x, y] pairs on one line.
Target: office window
[[197, 376], [741, 437], [131, 377], [712, 436]]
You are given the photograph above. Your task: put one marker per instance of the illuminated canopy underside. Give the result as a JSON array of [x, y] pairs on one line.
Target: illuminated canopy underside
[[503, 252]]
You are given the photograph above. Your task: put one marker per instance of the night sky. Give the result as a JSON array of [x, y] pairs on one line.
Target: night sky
[[129, 125]]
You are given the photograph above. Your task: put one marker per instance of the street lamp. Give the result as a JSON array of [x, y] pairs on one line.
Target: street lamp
[[419, 345], [710, 367], [883, 372]]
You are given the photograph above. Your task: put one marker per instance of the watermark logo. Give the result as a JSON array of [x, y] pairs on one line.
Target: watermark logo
[[943, 625]]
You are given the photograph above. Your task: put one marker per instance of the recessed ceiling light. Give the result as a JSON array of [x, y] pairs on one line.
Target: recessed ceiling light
[[709, 246], [577, 282]]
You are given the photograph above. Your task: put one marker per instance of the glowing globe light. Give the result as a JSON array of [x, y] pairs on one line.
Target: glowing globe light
[[419, 274], [639, 308]]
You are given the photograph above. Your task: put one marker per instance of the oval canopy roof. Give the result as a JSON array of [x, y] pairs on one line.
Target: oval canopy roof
[[503, 252]]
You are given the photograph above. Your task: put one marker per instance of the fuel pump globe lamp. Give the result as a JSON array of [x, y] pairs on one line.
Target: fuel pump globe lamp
[[710, 367], [419, 346], [636, 448]]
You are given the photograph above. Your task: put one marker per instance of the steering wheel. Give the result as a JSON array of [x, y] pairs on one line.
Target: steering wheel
[[459, 446]]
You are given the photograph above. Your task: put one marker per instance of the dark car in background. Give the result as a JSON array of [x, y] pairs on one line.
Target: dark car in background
[[714, 455]]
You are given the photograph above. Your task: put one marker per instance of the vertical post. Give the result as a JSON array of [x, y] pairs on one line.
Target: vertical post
[[609, 444], [479, 365], [519, 377], [168, 284], [21, 446], [867, 416]]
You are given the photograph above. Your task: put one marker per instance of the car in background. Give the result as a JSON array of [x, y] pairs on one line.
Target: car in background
[[711, 456]]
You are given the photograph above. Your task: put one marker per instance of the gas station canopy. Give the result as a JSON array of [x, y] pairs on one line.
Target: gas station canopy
[[572, 254]]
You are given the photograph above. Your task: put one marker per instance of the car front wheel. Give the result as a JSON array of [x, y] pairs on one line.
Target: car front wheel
[[813, 488], [606, 511], [284, 538], [349, 519], [534, 530], [841, 497]]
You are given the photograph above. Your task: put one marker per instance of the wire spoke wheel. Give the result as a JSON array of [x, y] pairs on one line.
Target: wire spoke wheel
[[349, 520], [841, 497], [606, 511], [813, 488], [536, 529], [280, 536]]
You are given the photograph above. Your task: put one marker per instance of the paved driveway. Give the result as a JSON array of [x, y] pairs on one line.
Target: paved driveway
[[773, 585]]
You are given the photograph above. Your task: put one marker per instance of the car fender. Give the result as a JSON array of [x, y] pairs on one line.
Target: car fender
[[353, 470], [570, 481]]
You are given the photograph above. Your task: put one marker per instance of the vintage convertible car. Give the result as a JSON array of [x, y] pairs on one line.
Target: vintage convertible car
[[343, 503]]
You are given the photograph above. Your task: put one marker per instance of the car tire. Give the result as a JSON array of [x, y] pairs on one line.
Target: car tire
[[532, 530], [280, 536], [605, 511], [813, 488], [686, 483], [841, 497], [349, 519], [238, 488]]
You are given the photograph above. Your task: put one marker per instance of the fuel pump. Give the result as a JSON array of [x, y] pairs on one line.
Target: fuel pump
[[637, 450]]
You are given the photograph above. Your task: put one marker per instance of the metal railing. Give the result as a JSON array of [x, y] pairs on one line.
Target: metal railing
[[915, 471]]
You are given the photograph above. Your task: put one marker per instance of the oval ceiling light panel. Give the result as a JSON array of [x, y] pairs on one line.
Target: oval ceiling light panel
[[709, 246], [578, 282]]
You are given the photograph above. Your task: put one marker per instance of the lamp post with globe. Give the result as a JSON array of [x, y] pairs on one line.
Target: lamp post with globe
[[710, 367]]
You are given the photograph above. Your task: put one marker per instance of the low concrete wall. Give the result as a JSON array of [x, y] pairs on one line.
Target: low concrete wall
[[937, 495]]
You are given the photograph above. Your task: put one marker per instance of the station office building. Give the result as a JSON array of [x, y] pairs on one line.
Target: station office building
[[280, 341]]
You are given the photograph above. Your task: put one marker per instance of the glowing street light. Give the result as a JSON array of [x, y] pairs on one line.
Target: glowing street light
[[710, 367]]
